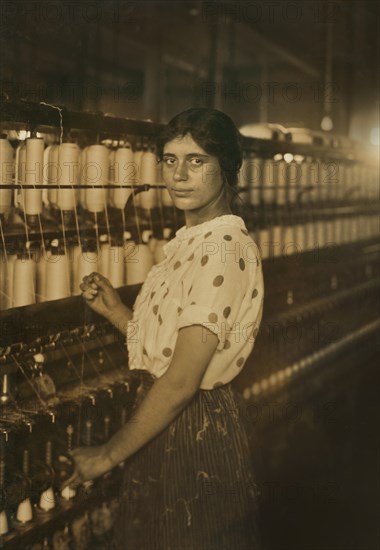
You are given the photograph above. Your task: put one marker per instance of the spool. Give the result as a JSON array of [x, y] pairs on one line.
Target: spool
[[45, 199], [293, 176], [20, 172], [346, 231], [148, 174], [24, 511], [152, 244], [96, 173], [362, 182], [264, 242], [313, 179], [335, 180], [146, 235], [116, 270], [374, 178], [277, 239], [139, 261], [81, 194], [24, 281], [104, 256], [32, 198], [281, 168], [68, 162], [3, 523], [164, 195], [337, 231], [299, 237], [309, 236], [57, 276], [164, 199], [111, 175], [41, 276], [87, 262], [47, 500], [348, 181], [269, 180], [330, 236], [8, 281], [375, 227], [7, 169], [137, 157], [255, 180], [356, 181], [364, 224], [74, 253], [304, 180], [147, 238], [321, 233], [354, 228], [287, 244], [51, 172], [322, 188], [3, 299], [68, 492], [124, 175], [363, 227]]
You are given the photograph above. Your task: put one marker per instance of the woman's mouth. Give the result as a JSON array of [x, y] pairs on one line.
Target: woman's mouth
[[182, 192]]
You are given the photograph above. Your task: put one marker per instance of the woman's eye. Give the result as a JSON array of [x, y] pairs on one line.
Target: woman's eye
[[169, 162], [196, 161]]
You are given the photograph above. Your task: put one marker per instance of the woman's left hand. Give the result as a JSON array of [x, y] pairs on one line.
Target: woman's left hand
[[90, 463]]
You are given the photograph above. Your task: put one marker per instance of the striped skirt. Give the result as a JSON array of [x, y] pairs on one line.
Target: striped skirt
[[192, 487]]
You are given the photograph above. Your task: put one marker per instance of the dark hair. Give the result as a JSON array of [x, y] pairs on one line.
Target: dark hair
[[212, 130]]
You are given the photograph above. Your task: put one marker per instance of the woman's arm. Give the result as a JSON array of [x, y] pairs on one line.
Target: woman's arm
[[120, 317], [168, 396]]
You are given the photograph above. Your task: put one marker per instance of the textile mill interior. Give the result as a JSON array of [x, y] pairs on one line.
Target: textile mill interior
[[87, 88]]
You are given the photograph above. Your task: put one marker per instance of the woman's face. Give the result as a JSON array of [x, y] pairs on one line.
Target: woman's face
[[193, 177]]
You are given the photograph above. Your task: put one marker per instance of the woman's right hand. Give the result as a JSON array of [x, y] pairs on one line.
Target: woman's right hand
[[100, 295]]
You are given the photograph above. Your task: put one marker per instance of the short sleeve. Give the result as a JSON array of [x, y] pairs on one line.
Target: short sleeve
[[215, 292]]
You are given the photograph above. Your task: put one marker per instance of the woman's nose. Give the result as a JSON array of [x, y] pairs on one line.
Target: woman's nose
[[180, 173]]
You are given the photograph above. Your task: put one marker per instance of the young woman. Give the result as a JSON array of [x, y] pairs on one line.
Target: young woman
[[188, 482]]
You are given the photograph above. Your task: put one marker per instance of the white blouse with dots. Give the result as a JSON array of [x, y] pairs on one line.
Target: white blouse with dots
[[211, 276]]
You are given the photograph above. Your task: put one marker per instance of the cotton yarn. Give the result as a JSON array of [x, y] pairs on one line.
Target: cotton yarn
[[7, 167]]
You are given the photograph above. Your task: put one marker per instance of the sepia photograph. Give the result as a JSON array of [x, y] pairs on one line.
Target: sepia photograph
[[189, 274]]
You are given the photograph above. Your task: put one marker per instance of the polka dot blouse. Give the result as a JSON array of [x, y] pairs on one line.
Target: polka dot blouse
[[211, 276]]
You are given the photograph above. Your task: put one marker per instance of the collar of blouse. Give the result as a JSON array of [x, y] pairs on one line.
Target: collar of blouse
[[188, 232]]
